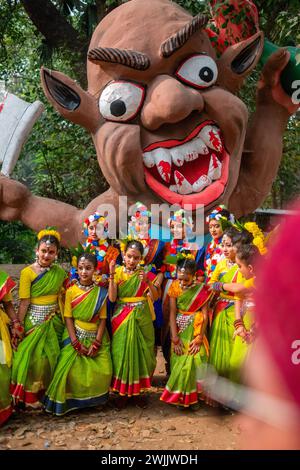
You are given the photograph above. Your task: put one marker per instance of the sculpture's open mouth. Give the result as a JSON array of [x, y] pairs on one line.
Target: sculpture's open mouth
[[189, 171]]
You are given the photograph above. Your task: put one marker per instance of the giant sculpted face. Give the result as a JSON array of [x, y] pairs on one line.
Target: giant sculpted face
[[163, 112], [164, 124]]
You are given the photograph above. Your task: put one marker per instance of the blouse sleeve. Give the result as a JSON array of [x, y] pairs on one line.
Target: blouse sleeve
[[174, 290], [68, 308], [102, 311], [26, 278], [215, 274], [118, 274]]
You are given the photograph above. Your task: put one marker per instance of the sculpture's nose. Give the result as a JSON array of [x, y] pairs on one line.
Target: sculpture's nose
[[169, 101]]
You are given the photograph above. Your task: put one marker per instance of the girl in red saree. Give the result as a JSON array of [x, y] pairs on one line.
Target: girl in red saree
[[132, 326], [7, 317]]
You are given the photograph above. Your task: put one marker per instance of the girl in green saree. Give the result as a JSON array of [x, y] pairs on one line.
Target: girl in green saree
[[83, 373], [222, 330], [40, 299], [132, 326], [190, 351]]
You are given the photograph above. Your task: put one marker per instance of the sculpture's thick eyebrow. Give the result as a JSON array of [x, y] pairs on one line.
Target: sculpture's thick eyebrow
[[178, 39], [128, 58]]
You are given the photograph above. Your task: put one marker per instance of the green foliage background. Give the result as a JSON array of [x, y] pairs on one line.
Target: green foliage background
[[58, 160]]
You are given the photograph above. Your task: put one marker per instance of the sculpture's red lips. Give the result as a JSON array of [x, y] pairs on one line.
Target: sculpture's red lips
[[174, 142], [192, 170]]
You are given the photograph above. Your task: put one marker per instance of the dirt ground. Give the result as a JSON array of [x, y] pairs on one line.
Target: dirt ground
[[158, 427]]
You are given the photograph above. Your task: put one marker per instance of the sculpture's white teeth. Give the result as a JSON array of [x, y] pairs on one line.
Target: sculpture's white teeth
[[201, 183], [183, 186], [177, 154], [163, 163], [215, 168], [211, 136], [148, 160], [200, 146], [193, 149], [173, 188]]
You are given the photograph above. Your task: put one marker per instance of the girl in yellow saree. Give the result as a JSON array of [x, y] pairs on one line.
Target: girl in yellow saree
[[132, 326], [40, 289]]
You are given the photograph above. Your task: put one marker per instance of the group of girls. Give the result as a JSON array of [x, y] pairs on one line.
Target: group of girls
[[59, 351]]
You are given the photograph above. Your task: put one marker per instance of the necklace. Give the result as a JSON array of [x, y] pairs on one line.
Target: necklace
[[42, 268], [230, 263], [188, 286], [86, 288], [128, 271]]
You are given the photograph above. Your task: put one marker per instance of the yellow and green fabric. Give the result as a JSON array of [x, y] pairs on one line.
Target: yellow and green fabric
[[133, 336], [81, 381], [36, 358], [187, 370], [222, 329]]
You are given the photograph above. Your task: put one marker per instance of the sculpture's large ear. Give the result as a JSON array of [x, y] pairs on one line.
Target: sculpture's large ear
[[70, 100], [238, 61]]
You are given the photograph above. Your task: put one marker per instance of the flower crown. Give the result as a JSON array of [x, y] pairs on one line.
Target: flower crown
[[216, 214], [141, 211], [47, 232], [178, 216]]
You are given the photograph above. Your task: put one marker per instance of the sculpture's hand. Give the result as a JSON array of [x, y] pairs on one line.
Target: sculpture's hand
[[13, 198], [269, 86]]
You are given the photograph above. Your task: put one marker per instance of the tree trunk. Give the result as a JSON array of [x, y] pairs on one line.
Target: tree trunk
[[58, 32]]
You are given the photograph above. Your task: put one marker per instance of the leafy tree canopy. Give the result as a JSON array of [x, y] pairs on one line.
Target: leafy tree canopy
[[59, 159]]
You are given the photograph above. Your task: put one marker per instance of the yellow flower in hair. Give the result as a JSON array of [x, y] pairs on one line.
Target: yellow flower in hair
[[122, 246], [186, 255], [259, 243], [253, 228], [48, 233], [74, 261]]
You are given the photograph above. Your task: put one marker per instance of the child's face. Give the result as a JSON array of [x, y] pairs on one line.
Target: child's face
[[92, 230], [228, 248], [46, 253], [177, 230], [215, 229], [132, 258], [86, 270], [185, 277], [245, 269]]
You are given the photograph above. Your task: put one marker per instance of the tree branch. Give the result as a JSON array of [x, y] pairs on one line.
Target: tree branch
[[52, 25]]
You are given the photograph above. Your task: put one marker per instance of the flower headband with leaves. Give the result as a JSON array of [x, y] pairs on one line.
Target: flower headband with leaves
[[219, 214], [48, 232]]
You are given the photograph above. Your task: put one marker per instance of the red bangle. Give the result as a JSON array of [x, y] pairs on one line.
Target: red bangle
[[96, 345], [76, 345], [175, 342], [238, 323]]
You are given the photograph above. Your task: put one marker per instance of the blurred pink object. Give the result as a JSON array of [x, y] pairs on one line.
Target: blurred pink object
[[278, 302]]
